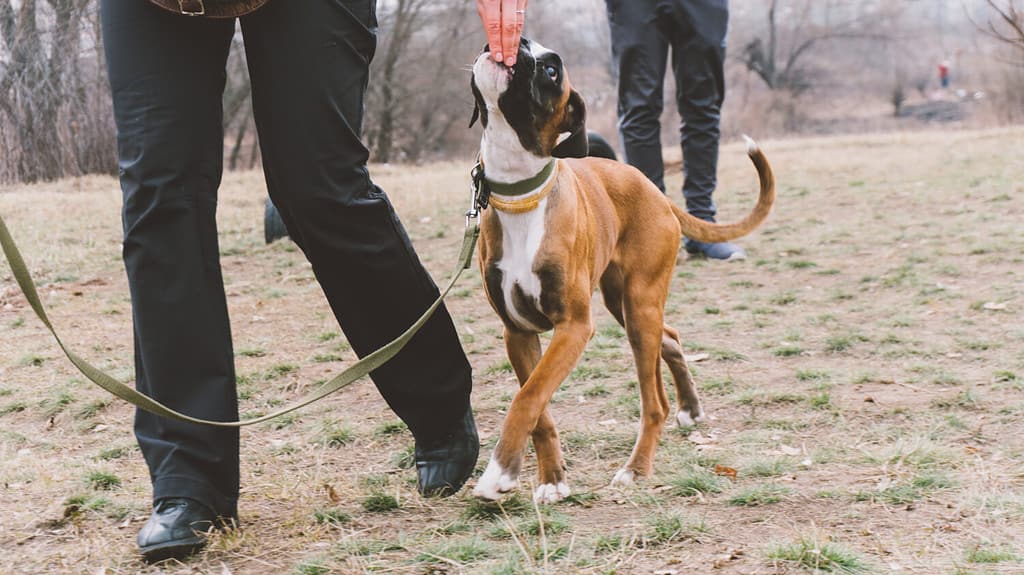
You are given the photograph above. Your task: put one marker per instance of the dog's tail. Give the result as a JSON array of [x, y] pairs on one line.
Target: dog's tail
[[700, 230]]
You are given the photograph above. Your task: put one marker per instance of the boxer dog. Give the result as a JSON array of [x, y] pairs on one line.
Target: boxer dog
[[560, 227]]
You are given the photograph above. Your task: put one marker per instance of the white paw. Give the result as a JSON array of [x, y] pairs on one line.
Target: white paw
[[551, 493], [623, 478], [684, 418], [494, 482]]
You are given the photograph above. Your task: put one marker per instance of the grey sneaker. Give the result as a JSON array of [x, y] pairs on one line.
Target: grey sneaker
[[727, 251]]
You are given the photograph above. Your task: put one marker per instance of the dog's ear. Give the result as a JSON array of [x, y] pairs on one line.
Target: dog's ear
[[575, 146], [479, 107]]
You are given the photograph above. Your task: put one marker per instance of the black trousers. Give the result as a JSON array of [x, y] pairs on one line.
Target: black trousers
[[642, 33], [308, 63]]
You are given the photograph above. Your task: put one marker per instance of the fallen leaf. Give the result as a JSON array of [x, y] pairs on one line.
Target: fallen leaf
[[608, 422], [332, 494], [993, 306], [725, 471], [666, 572], [696, 357]]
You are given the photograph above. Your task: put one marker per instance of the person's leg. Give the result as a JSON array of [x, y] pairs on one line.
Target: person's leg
[[640, 55], [698, 64], [166, 77], [309, 64], [696, 30]]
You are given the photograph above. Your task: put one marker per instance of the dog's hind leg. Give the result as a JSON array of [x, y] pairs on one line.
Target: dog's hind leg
[[641, 313], [690, 411], [524, 353]]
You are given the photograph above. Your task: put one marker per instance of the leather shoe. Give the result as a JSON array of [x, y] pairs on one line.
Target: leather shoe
[[176, 529], [443, 465]]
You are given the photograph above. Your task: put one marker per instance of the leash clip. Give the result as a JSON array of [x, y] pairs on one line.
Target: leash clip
[[479, 193]]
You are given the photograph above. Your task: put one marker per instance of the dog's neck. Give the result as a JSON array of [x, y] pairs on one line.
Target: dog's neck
[[504, 158]]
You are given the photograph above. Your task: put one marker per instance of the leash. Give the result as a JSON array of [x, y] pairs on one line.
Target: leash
[[343, 379]]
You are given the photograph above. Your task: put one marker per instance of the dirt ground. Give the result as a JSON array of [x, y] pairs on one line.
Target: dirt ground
[[863, 371]]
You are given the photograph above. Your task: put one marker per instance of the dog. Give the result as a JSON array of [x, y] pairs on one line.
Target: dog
[[562, 226]]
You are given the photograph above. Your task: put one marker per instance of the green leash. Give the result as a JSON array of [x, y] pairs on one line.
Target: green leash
[[351, 374]]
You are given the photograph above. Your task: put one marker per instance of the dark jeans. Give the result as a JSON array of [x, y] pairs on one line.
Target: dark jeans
[[642, 33], [308, 62]]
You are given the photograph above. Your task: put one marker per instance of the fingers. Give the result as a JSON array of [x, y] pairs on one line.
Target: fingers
[[511, 29], [503, 23], [490, 15]]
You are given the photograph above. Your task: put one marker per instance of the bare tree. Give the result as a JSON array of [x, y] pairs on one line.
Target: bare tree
[[783, 65], [52, 125], [1009, 26]]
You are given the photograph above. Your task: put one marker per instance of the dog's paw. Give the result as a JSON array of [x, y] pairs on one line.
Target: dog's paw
[[551, 493], [624, 478], [494, 482], [684, 419]]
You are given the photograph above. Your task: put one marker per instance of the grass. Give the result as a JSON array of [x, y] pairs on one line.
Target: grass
[[989, 554], [824, 557], [765, 494], [670, 527], [696, 482], [103, 480], [851, 293], [380, 503], [460, 551]]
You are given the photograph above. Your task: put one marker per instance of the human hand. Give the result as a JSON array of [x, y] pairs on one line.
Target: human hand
[[503, 23]]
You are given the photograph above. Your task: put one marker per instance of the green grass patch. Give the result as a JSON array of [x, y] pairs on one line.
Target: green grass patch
[[513, 506], [670, 527], [102, 480], [380, 503], [788, 350], [989, 555], [331, 516], [92, 409], [826, 557], [389, 428], [462, 551], [336, 435], [764, 494], [696, 482], [766, 468]]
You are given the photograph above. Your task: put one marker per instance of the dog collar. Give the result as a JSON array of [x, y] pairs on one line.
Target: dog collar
[[528, 187]]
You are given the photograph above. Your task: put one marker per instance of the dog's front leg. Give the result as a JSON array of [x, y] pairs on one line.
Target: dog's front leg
[[523, 350], [567, 344]]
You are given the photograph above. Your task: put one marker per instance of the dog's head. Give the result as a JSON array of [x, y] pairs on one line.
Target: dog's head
[[536, 100]]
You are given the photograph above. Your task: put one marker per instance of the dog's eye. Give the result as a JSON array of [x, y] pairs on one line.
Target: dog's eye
[[552, 72]]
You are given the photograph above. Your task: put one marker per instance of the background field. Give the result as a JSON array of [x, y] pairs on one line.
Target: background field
[[863, 371]]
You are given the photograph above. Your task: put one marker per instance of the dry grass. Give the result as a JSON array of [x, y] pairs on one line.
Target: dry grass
[[864, 377]]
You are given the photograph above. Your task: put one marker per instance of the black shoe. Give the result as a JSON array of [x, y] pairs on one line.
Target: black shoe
[[176, 529], [443, 465]]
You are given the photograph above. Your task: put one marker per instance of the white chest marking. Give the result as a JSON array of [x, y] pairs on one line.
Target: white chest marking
[[521, 237]]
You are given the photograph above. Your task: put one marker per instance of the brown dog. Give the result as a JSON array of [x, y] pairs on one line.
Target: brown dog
[[559, 229]]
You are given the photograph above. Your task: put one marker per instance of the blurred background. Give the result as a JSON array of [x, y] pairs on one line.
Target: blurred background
[[795, 67]]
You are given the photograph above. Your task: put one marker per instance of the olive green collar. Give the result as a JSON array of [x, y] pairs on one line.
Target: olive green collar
[[522, 187]]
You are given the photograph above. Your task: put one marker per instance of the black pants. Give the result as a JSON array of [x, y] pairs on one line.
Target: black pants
[[308, 62], [642, 33]]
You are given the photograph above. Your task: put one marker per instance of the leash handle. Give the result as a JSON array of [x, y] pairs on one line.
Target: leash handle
[[144, 402]]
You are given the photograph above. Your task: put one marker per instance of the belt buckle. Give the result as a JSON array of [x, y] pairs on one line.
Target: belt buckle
[[192, 12]]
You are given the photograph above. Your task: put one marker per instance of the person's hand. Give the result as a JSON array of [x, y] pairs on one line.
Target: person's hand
[[503, 23]]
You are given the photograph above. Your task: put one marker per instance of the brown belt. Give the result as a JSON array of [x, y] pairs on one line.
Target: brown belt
[[210, 8]]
